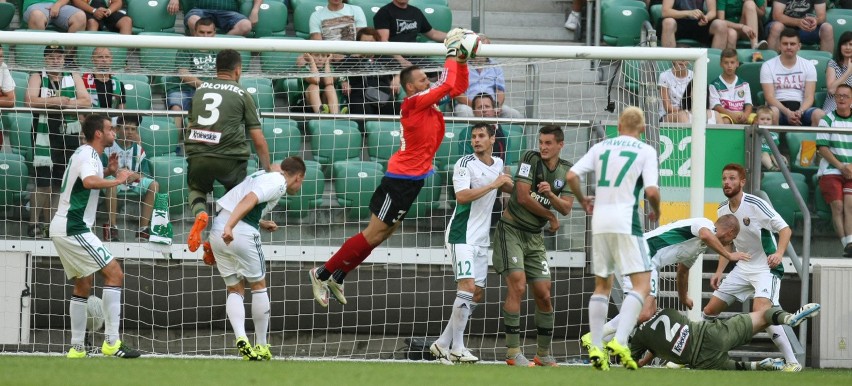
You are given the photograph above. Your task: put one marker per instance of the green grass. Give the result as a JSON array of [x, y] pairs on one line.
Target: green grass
[[55, 370]]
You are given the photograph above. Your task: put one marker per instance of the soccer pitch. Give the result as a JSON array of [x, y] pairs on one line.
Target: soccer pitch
[[54, 370]]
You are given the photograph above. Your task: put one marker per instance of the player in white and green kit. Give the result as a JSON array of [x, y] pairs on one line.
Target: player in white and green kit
[[519, 253], [624, 166], [235, 240], [81, 252], [476, 179]]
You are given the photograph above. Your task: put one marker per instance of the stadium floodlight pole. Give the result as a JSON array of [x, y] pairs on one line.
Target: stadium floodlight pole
[[696, 175]]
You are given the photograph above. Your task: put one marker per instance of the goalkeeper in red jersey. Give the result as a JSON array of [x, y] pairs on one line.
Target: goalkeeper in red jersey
[[422, 132]]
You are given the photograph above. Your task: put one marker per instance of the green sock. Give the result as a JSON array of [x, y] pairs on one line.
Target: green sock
[[544, 327], [775, 316], [512, 327]]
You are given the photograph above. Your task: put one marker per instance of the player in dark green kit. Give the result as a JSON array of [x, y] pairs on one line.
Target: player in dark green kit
[[519, 253], [216, 149], [670, 335]]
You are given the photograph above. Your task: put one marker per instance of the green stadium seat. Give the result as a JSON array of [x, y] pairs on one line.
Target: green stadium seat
[[746, 55], [425, 3], [27, 56], [309, 197], [382, 140], [302, 11], [440, 17], [354, 184], [84, 53], [450, 150], [820, 60], [124, 77], [819, 98], [282, 136], [18, 128], [794, 143], [623, 26], [158, 60], [151, 16], [515, 143], [159, 135], [138, 95], [781, 195], [656, 14], [271, 19], [334, 140], [370, 7], [428, 198], [840, 20], [170, 172], [607, 4], [7, 12], [13, 178], [245, 55], [750, 72], [261, 91], [21, 80], [276, 63], [295, 90]]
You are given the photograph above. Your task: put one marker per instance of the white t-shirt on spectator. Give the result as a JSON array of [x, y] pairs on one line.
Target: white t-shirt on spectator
[[6, 82], [677, 87], [338, 25], [789, 82]]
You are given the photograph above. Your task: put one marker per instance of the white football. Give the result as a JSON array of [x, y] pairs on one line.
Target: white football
[[469, 45], [95, 310]]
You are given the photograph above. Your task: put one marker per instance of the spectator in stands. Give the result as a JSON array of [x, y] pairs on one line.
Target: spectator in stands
[[789, 84], [180, 89], [38, 14], [835, 168], [55, 133], [745, 18], [368, 91], [674, 85], [104, 88], [107, 15], [337, 21], [224, 13], [763, 117], [730, 96], [839, 70], [807, 17], [320, 90], [131, 156], [7, 89], [572, 23], [485, 77], [399, 22], [684, 19]]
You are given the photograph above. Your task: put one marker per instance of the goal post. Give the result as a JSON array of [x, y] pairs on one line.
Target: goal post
[[176, 305]]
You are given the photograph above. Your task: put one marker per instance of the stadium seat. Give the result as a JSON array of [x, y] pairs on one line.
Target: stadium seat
[[271, 19], [840, 20], [623, 26], [425, 3], [382, 140], [7, 12], [261, 91], [750, 72], [170, 172], [138, 94], [820, 60], [746, 55], [781, 195], [334, 140], [18, 128], [282, 136], [440, 17], [21, 80], [310, 196], [277, 62], [158, 60], [370, 7], [124, 77], [450, 150], [13, 178], [302, 11], [794, 143], [427, 199], [354, 184], [159, 135], [84, 53], [607, 4], [27, 56], [515, 143], [245, 55], [151, 16], [821, 208], [819, 98]]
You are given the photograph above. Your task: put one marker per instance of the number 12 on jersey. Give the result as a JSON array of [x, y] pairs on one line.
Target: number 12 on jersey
[[630, 158]]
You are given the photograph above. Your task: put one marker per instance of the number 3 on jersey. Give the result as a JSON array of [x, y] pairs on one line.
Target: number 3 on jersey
[[631, 157], [212, 107]]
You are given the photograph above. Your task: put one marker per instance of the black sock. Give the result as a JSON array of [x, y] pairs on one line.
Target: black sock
[[338, 276], [322, 273]]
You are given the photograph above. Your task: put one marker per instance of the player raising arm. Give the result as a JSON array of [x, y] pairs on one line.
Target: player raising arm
[[422, 132], [623, 166]]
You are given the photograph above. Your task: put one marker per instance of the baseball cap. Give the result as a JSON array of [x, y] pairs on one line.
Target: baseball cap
[[54, 49]]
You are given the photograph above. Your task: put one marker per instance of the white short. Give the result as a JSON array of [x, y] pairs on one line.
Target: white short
[[469, 262], [617, 252], [627, 285], [243, 258], [81, 255], [740, 286]]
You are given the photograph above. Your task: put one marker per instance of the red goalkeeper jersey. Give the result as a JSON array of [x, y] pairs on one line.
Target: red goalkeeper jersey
[[423, 125]]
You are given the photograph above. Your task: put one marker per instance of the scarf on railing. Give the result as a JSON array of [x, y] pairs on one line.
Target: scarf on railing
[[42, 138]]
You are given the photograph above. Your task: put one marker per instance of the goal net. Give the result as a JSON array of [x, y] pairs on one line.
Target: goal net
[[174, 304]]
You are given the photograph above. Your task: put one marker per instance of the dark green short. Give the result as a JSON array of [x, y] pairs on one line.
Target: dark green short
[[518, 250], [203, 171], [720, 337]]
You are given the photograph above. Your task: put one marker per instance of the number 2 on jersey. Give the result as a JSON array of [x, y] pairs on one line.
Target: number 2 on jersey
[[631, 157], [212, 107]]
